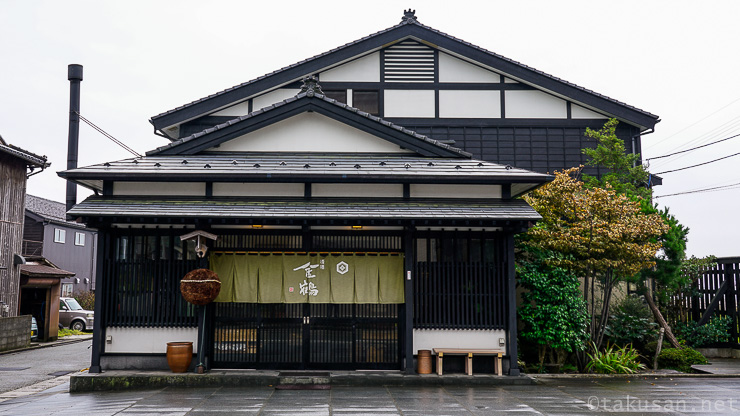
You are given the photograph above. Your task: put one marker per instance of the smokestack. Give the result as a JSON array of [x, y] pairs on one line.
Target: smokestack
[[74, 75]]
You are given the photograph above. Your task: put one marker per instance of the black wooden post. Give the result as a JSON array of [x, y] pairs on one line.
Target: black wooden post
[[101, 288], [408, 322], [511, 310], [731, 270]]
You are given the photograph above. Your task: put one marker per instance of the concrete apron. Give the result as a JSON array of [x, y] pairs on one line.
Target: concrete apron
[[128, 380]]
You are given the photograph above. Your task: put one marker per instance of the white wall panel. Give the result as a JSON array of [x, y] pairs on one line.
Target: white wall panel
[[309, 132], [258, 189], [393, 190], [409, 103], [534, 104], [428, 339], [452, 69], [235, 110], [365, 69], [429, 190], [273, 97], [469, 104], [148, 340], [160, 188], [577, 111]]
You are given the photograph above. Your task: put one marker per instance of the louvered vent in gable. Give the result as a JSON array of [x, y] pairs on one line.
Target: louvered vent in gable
[[409, 61]]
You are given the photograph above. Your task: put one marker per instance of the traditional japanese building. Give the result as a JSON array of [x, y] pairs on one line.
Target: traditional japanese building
[[365, 202]]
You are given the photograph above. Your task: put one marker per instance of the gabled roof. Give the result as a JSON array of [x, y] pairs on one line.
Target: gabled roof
[[408, 28], [309, 99], [48, 210]]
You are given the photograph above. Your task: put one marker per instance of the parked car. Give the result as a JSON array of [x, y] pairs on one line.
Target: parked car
[[73, 316], [34, 330]]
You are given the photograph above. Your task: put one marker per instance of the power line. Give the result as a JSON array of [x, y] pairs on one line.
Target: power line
[[104, 133], [693, 148], [715, 188], [700, 164]]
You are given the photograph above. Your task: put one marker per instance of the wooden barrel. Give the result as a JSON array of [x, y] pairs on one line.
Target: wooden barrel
[[424, 362]]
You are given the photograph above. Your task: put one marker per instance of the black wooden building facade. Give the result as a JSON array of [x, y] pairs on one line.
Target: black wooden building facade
[[402, 169]]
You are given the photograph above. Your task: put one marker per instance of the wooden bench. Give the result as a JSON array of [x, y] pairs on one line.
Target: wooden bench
[[468, 359]]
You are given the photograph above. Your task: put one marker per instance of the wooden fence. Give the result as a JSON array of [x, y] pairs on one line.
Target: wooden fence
[[715, 293]]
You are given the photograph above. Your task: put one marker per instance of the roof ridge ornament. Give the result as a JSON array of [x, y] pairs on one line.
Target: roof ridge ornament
[[409, 16], [311, 86]]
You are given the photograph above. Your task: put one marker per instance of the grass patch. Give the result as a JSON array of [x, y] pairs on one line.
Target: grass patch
[[66, 331]]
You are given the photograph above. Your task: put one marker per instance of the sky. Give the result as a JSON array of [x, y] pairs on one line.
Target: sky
[[676, 59]]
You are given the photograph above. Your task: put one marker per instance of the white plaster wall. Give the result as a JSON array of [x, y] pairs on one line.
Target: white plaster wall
[[258, 189], [429, 190], [577, 111], [452, 69], [160, 188], [148, 340], [365, 69], [235, 110], [357, 190], [309, 132], [469, 104], [408, 103], [428, 339], [273, 97], [534, 104]]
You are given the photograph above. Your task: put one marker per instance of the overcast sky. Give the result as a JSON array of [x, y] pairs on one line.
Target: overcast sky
[[676, 59]]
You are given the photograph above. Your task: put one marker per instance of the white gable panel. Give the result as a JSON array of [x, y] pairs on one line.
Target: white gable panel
[[235, 110], [577, 111], [273, 97], [365, 69], [469, 104], [534, 104], [408, 103], [429, 190], [309, 132], [452, 69]]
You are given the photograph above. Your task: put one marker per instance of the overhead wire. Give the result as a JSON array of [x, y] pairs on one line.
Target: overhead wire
[[698, 164], [696, 191], [693, 148], [109, 136]]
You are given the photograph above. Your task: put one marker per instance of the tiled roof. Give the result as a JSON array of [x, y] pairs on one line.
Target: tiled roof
[[298, 208], [319, 96], [38, 270], [31, 159], [49, 210], [301, 167], [407, 22]]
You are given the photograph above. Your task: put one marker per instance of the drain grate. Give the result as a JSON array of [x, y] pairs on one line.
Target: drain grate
[[14, 368]]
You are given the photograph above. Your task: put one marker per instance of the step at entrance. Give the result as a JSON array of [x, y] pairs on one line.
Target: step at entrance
[[304, 380]]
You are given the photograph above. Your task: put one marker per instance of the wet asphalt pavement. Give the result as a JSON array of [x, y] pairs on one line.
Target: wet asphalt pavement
[[643, 396]]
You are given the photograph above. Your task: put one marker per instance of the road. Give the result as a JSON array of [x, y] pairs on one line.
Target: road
[[638, 396], [29, 367]]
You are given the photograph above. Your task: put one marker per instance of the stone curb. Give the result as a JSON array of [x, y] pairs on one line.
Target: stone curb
[[50, 344], [158, 380], [622, 376]]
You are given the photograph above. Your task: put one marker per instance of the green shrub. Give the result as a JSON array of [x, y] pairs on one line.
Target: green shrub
[[630, 322], [649, 349], [63, 332], [622, 360], [680, 360], [716, 330], [85, 298]]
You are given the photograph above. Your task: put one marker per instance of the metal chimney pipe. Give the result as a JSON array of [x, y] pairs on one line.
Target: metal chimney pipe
[[74, 75]]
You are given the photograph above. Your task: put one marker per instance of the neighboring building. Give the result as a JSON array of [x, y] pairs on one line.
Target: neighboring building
[[16, 165], [359, 221], [69, 245], [39, 286]]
